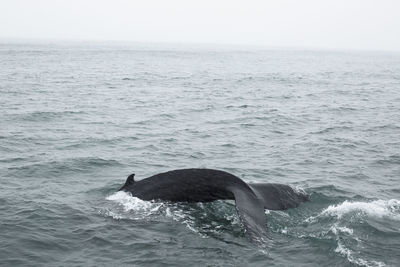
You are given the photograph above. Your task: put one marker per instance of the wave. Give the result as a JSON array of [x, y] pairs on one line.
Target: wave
[[96, 141], [344, 251], [392, 159], [378, 208], [332, 129], [38, 116], [352, 223], [342, 235], [55, 168]]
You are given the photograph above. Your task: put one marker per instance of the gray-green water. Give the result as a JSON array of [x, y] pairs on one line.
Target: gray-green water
[[76, 120]]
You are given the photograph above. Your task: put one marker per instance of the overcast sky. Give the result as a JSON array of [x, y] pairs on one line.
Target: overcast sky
[[352, 24]]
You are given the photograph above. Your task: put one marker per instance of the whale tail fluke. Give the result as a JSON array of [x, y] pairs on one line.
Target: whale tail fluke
[[251, 213], [278, 196], [253, 199]]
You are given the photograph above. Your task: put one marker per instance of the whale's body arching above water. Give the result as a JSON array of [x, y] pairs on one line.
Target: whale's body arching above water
[[205, 185]]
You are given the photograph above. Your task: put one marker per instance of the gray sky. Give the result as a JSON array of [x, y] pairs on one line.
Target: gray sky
[[352, 24]]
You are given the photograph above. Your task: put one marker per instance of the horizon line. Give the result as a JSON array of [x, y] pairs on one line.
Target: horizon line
[[180, 44]]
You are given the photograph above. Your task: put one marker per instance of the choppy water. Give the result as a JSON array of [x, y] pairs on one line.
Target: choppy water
[[76, 120]]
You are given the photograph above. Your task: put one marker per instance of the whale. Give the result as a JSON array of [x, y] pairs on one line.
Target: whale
[[206, 185]]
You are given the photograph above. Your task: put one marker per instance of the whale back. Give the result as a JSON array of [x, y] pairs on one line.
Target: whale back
[[188, 185]]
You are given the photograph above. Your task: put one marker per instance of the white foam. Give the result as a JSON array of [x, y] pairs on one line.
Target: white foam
[[378, 208], [342, 250], [135, 208], [337, 229], [350, 255], [129, 203], [299, 190], [381, 209], [112, 214]]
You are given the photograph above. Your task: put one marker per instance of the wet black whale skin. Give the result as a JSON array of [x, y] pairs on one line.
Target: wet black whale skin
[[205, 185]]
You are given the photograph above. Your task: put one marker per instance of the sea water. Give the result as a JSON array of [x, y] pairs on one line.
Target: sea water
[[76, 119]]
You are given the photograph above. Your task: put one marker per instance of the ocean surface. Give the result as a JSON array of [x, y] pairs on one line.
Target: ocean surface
[[76, 119]]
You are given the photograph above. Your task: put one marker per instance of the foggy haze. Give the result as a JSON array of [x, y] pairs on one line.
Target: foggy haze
[[317, 24]]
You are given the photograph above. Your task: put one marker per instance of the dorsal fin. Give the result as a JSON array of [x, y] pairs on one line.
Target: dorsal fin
[[130, 180]]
